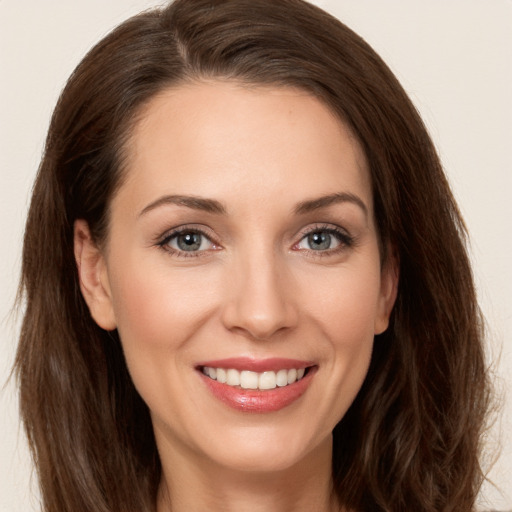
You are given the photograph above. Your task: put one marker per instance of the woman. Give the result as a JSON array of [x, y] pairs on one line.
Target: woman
[[246, 278]]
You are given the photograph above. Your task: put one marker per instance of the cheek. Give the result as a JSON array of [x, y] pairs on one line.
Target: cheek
[[347, 305], [345, 315], [157, 312]]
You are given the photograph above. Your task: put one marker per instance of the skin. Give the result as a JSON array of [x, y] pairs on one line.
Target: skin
[[256, 287]]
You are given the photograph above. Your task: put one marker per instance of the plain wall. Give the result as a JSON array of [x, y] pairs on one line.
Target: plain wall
[[453, 58]]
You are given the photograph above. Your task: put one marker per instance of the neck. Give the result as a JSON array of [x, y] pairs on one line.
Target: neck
[[191, 484]]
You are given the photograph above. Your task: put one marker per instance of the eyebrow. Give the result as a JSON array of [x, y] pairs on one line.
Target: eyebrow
[[325, 201], [195, 203], [216, 207]]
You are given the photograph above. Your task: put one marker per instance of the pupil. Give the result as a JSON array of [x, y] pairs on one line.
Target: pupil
[[319, 241], [189, 242]]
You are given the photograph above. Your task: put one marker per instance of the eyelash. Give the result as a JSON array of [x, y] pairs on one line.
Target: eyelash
[[345, 241], [174, 233]]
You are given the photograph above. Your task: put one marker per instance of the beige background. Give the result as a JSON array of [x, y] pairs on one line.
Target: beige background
[[453, 57]]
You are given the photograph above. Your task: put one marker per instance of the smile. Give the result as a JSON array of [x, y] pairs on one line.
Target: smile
[[247, 379], [257, 386]]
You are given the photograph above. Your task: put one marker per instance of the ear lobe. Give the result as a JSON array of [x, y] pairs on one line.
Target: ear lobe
[[388, 293], [92, 273]]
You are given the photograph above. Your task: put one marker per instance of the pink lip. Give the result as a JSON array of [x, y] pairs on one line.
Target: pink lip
[[257, 365], [256, 401]]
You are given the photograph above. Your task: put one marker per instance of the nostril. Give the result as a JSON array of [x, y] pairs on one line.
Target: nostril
[[260, 306]]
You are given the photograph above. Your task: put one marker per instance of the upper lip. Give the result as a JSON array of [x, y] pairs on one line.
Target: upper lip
[[257, 365]]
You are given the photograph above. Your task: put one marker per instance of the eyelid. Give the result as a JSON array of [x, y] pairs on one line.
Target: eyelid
[[163, 240], [344, 238]]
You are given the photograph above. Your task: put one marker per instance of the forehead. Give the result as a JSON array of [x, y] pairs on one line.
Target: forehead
[[205, 138]]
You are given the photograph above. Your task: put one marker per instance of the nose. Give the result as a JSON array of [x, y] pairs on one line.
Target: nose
[[261, 300]]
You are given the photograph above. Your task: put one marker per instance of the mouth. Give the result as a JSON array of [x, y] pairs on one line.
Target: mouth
[[257, 386], [247, 379]]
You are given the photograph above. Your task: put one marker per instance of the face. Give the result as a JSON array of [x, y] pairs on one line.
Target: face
[[242, 271]]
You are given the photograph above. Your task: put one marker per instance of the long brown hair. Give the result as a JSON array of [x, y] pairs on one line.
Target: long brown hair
[[410, 441]]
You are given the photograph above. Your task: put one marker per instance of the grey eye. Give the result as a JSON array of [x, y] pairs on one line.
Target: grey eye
[[319, 241], [190, 241]]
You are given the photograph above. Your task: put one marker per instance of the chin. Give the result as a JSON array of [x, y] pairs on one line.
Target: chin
[[267, 449]]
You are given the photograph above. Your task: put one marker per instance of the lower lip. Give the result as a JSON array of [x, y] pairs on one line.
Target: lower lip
[[250, 400]]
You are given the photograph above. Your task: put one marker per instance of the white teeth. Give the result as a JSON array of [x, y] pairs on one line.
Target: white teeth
[[233, 378], [267, 380], [221, 375], [253, 380], [282, 378], [248, 380]]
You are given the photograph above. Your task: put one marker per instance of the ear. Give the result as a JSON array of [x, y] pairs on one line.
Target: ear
[[388, 293], [93, 276]]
